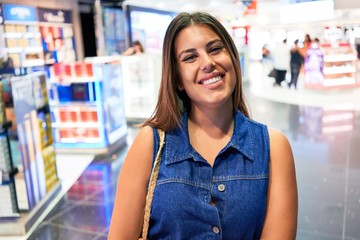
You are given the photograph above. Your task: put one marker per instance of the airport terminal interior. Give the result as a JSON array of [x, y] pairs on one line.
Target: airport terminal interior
[[88, 123]]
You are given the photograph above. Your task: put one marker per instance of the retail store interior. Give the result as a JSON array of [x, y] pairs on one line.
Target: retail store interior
[[71, 104]]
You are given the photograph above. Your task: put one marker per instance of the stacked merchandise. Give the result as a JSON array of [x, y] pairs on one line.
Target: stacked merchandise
[[23, 46], [29, 181], [57, 35], [114, 23], [34, 38], [30, 113], [75, 111], [87, 111], [8, 200]]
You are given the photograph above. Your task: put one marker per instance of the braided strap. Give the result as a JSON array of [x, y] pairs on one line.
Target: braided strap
[[152, 184]]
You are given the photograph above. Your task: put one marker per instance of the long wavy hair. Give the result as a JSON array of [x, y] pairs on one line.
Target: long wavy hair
[[171, 101]]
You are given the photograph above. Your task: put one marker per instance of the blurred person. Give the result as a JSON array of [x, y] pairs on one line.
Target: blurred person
[[266, 59], [306, 45], [281, 59], [221, 175], [135, 49], [314, 64], [296, 61]]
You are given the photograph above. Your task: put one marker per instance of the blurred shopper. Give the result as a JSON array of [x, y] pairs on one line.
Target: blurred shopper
[[266, 59], [306, 45], [221, 175], [296, 61], [281, 56], [136, 48], [314, 64]]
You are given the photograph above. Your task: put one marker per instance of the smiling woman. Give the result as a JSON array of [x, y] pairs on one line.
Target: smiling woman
[[221, 174]]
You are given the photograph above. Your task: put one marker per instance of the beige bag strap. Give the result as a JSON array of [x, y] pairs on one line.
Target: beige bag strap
[[152, 184]]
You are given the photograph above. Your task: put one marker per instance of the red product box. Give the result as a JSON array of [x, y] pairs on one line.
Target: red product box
[[67, 115], [91, 133], [67, 133], [83, 69], [89, 115], [62, 70]]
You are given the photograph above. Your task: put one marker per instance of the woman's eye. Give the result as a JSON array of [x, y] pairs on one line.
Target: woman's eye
[[188, 58], [216, 49]]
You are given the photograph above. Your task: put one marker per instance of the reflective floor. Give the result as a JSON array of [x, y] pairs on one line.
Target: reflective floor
[[326, 144]]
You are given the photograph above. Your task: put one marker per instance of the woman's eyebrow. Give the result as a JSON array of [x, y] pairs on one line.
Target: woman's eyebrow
[[212, 42], [190, 50]]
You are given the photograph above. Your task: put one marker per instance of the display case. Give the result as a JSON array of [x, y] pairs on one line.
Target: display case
[[8, 199], [114, 23], [337, 67], [32, 179], [21, 37], [57, 35], [87, 105], [142, 75], [31, 114]]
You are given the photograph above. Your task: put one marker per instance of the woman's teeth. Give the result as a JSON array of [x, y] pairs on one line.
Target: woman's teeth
[[212, 80]]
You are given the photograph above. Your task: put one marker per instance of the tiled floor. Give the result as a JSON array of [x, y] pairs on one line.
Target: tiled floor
[[325, 137]]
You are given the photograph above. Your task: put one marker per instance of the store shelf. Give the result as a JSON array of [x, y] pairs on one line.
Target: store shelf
[[337, 67], [20, 224], [16, 35], [87, 105], [339, 70]]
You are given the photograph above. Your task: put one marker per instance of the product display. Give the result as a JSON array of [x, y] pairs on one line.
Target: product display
[[141, 81], [114, 23], [34, 133], [28, 172], [87, 111], [57, 35], [21, 34], [331, 65], [8, 200]]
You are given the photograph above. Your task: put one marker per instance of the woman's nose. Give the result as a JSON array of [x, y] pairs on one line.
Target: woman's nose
[[208, 64]]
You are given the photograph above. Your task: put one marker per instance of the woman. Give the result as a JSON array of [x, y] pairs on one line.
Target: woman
[[221, 175], [136, 49]]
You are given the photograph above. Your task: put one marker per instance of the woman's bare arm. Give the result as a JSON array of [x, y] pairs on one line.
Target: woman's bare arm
[[282, 206], [128, 214]]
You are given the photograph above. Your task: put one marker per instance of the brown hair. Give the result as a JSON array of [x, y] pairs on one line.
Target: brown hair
[[138, 43], [172, 102]]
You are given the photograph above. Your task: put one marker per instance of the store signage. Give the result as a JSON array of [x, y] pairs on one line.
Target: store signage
[[19, 13], [54, 16]]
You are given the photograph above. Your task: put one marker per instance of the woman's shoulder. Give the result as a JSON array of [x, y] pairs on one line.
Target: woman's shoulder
[[143, 141], [277, 137], [280, 148]]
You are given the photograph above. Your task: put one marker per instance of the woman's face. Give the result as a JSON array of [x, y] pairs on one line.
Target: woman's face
[[206, 71], [137, 48]]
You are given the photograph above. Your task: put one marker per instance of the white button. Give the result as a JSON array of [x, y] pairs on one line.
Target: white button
[[216, 230], [221, 187]]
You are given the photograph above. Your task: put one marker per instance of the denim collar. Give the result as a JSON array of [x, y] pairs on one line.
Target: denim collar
[[177, 146]]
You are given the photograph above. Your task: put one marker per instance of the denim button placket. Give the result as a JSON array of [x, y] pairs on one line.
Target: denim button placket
[[216, 230], [221, 187]]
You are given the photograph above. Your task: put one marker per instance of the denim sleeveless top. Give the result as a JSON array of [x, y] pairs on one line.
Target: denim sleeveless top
[[237, 182]]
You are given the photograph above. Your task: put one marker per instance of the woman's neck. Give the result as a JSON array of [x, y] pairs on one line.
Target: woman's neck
[[216, 122]]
